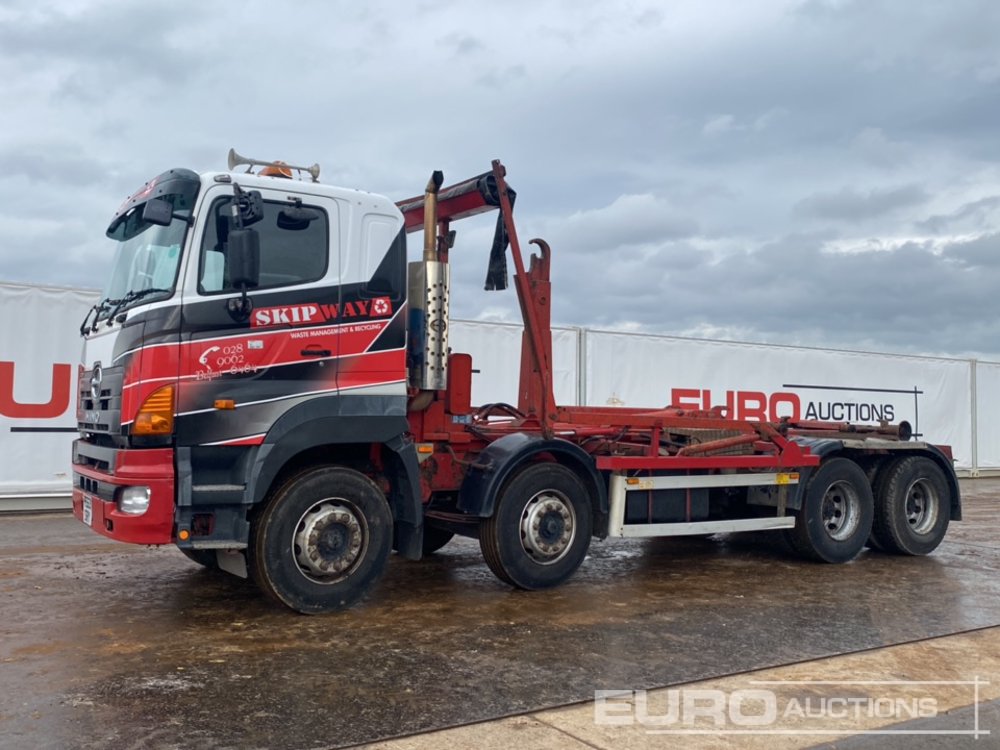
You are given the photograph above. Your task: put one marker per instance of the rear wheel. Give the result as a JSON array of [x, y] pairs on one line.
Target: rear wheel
[[875, 473], [912, 507], [322, 540], [836, 515], [540, 530]]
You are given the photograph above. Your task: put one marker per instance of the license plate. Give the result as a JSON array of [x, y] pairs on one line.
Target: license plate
[[88, 510]]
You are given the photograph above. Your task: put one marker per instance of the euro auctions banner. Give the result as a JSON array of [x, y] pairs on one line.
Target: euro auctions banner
[[39, 353], [761, 382]]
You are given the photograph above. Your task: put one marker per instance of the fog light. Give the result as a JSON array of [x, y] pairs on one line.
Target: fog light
[[134, 500]]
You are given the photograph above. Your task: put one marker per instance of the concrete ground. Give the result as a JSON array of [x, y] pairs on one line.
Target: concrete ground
[[112, 646], [963, 712]]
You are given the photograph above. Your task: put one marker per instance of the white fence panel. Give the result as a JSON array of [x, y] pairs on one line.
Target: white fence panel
[[767, 382], [496, 354], [987, 413], [39, 353]]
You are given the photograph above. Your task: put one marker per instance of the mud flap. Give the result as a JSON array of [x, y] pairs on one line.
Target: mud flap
[[232, 561]]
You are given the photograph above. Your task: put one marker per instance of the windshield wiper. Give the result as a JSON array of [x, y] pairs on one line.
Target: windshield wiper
[[129, 298], [96, 311]]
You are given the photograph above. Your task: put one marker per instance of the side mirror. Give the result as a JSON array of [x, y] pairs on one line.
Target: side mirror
[[296, 218], [251, 206], [158, 211], [243, 258]]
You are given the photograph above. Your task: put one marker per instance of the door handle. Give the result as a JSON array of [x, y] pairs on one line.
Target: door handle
[[315, 352]]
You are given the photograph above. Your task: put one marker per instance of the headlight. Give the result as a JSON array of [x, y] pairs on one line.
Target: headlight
[[134, 500]]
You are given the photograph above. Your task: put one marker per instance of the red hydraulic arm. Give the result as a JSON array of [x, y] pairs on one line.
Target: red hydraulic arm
[[619, 438], [477, 195]]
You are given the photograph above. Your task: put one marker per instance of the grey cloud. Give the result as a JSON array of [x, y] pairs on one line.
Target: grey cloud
[[600, 115], [850, 204], [980, 253], [728, 123], [120, 40], [629, 220], [463, 44], [872, 145], [497, 78], [719, 124], [976, 213], [649, 17], [970, 117], [39, 250], [53, 162], [793, 291]]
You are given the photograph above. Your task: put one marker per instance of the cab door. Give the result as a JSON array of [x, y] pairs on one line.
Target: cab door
[[372, 310], [241, 370]]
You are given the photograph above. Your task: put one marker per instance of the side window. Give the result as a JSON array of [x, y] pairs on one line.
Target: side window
[[288, 256], [383, 259]]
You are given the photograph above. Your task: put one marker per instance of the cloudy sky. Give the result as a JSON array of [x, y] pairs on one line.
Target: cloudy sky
[[821, 172]]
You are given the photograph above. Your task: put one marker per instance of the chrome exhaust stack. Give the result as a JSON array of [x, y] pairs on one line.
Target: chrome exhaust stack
[[429, 291]]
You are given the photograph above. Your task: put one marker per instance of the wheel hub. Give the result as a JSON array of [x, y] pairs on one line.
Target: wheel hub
[[548, 527], [841, 511], [329, 540], [921, 506]]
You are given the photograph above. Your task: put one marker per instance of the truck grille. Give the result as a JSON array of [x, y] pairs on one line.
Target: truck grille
[[101, 458], [101, 413]]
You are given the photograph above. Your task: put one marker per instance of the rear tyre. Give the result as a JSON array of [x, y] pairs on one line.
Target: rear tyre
[[540, 530], [876, 478], [204, 557], [873, 543], [836, 515], [912, 507], [435, 539], [321, 541]]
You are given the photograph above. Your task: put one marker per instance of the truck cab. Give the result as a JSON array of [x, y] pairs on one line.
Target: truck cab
[[180, 385]]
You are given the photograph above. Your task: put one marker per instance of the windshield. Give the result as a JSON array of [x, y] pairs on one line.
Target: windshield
[[146, 260]]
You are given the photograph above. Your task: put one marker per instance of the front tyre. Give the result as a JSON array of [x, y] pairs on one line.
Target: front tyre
[[913, 507], [322, 540], [835, 519], [540, 530]]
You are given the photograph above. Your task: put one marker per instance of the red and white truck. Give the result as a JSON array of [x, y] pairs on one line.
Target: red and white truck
[[268, 385]]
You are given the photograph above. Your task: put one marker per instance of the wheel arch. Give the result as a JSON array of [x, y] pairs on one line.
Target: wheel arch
[[883, 454], [334, 428], [502, 458], [943, 462]]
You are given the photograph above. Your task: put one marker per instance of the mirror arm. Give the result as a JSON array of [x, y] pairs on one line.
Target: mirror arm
[[240, 307]]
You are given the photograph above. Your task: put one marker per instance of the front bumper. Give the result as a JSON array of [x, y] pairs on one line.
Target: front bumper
[[100, 473]]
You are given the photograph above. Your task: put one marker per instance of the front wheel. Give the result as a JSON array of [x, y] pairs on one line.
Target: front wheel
[[540, 530], [322, 540], [913, 507], [835, 519]]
